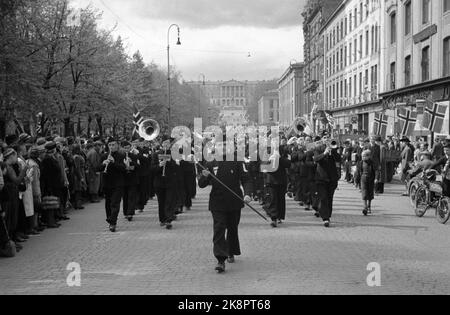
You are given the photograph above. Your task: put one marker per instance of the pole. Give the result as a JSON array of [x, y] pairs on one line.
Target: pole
[[231, 191], [168, 81]]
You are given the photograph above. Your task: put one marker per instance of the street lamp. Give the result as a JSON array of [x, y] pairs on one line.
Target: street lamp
[[168, 68], [199, 92]]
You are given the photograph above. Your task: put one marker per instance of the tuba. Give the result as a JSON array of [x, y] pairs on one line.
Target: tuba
[[298, 126], [149, 129]]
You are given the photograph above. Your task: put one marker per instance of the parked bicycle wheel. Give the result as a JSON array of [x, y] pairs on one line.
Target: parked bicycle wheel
[[421, 202], [443, 211], [412, 193]]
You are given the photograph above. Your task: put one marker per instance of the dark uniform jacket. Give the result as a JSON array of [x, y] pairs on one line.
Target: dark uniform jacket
[[327, 170], [115, 175], [132, 176], [232, 174], [173, 173]]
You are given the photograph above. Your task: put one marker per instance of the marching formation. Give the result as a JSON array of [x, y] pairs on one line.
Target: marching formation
[[41, 179]]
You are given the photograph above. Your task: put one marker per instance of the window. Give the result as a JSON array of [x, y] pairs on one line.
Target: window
[[337, 60], [425, 11], [361, 13], [337, 31], [355, 86], [356, 17], [367, 43], [360, 46], [342, 59], [350, 53], [345, 88], [393, 28], [447, 57], [366, 79], [376, 38], [407, 70], [350, 87], [333, 67], [408, 18], [446, 5], [367, 8], [345, 26], [373, 40], [392, 72], [356, 49], [345, 56], [360, 83], [350, 21], [426, 63]]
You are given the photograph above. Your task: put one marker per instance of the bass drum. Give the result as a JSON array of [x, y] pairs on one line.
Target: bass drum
[[443, 210]]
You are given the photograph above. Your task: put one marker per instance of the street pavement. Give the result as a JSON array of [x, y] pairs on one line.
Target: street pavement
[[299, 257]]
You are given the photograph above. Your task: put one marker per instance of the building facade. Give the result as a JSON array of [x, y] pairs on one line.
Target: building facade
[[417, 59], [315, 14], [290, 89], [352, 54], [268, 108]]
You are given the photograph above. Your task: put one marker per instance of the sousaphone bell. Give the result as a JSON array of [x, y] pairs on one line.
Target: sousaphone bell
[[149, 129]]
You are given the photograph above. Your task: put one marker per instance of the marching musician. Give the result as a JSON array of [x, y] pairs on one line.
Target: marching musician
[[326, 178], [130, 188], [114, 181], [276, 187], [226, 207], [166, 181]]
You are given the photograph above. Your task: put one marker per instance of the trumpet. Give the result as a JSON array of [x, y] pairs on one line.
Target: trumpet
[[330, 143]]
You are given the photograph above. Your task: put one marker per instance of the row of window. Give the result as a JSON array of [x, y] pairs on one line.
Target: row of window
[[349, 23], [339, 92], [424, 65], [353, 52], [230, 91], [227, 102], [426, 17]]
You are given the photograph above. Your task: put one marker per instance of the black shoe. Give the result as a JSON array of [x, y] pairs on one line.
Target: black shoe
[[274, 224], [130, 218], [231, 260], [168, 226], [365, 212], [112, 228], [326, 224], [317, 215], [220, 268]]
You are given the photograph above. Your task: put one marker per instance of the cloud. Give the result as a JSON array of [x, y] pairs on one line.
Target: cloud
[[214, 13]]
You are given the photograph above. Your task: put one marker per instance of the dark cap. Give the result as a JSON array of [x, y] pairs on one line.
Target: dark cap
[[11, 139], [125, 143], [8, 152], [405, 139], [49, 146], [24, 138]]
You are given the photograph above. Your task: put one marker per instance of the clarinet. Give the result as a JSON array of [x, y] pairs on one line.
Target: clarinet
[[106, 168], [164, 168]]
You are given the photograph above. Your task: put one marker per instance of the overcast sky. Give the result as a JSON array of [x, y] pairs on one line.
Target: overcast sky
[[217, 35]]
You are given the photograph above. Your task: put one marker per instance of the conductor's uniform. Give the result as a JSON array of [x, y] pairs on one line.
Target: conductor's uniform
[[225, 206]]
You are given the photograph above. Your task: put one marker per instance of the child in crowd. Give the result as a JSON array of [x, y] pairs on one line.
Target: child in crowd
[[367, 178]]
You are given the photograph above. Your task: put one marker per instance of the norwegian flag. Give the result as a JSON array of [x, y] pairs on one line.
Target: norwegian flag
[[433, 117], [330, 120], [137, 119], [380, 125], [406, 121]]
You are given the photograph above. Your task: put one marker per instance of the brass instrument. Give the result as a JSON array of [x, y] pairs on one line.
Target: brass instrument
[[330, 143], [149, 129], [298, 126]]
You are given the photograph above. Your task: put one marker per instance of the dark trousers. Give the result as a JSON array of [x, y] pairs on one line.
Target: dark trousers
[[130, 196], [226, 237], [142, 192], [379, 188], [275, 204], [166, 211], [113, 197], [326, 194]]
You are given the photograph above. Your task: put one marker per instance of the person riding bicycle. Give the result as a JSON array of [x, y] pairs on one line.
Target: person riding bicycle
[[444, 163]]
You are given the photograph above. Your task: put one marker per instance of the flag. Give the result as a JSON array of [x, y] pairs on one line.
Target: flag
[[433, 116], [406, 122], [330, 119], [137, 120], [380, 125]]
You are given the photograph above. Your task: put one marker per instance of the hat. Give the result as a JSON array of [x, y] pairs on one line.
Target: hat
[[11, 139], [125, 143], [405, 139], [317, 138], [8, 152], [112, 139], [41, 141], [60, 140], [96, 138], [49, 146], [98, 142], [23, 138]]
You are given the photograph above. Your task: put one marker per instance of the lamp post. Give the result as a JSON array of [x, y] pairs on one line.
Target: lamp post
[[168, 69], [199, 92]]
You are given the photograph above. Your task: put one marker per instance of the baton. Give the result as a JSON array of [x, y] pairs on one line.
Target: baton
[[230, 190]]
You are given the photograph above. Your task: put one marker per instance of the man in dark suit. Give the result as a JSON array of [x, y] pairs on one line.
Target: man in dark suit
[[444, 164], [167, 177], [131, 184], [114, 180], [225, 206], [326, 179], [276, 186]]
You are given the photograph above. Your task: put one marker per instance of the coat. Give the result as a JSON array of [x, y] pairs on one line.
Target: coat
[[407, 157], [79, 174], [51, 176], [115, 173], [234, 175], [327, 170], [93, 166], [36, 182]]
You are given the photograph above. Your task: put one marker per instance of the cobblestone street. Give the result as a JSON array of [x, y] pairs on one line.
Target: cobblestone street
[[300, 257]]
